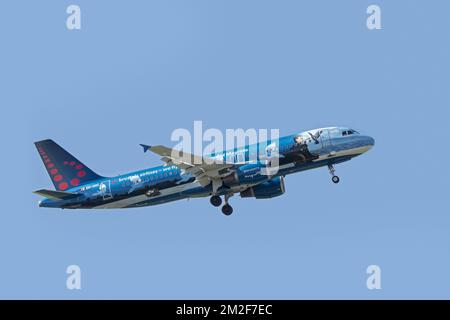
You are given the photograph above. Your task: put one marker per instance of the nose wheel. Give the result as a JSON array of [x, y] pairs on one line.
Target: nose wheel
[[334, 178]]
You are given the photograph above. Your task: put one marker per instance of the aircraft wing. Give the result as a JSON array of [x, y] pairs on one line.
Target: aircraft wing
[[204, 172]]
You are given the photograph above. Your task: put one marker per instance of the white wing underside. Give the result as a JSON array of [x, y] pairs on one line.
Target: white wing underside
[[204, 171]]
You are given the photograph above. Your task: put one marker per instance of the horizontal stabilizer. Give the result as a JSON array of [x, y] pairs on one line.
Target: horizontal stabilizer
[[59, 195]]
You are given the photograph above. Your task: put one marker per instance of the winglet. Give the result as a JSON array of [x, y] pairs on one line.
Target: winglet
[[146, 147]]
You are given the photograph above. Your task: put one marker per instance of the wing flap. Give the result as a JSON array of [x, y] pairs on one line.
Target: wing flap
[[190, 163]]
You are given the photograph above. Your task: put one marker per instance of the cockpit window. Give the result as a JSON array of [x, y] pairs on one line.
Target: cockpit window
[[349, 132]]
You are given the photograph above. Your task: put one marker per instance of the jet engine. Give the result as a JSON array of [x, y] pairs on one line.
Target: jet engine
[[267, 189], [249, 173]]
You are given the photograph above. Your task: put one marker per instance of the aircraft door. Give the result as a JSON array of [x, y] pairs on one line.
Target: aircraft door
[[105, 189], [239, 157], [325, 139]]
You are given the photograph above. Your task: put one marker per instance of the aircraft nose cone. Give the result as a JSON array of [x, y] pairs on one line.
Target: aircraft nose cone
[[370, 141]]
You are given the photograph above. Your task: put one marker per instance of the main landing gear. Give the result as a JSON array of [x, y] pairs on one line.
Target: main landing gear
[[227, 209], [334, 178], [216, 201]]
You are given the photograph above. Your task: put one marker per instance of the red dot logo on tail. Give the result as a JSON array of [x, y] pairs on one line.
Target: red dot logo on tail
[[63, 185]]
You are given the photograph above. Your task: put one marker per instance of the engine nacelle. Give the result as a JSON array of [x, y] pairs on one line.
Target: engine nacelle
[[248, 173], [267, 189]]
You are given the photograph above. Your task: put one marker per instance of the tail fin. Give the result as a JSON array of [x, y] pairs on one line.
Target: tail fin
[[65, 170]]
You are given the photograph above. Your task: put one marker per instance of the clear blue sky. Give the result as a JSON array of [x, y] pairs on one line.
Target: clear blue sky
[[138, 70]]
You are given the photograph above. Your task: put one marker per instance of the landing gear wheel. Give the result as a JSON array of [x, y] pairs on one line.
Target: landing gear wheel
[[334, 178], [227, 209], [216, 201]]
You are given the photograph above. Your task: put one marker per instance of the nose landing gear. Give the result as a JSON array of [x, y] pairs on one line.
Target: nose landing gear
[[334, 178]]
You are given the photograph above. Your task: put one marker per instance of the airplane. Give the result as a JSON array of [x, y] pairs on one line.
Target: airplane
[[248, 171]]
